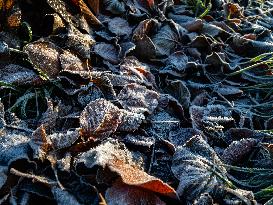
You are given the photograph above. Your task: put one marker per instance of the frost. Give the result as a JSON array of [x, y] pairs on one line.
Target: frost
[[119, 27], [100, 117], [13, 147], [45, 56], [198, 169], [138, 99]]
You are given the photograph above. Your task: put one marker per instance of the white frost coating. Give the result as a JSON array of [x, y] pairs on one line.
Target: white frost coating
[[138, 99], [104, 153]]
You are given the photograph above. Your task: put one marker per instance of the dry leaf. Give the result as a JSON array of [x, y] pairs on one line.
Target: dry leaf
[[198, 169], [121, 193], [238, 150], [100, 118], [45, 56], [138, 99]]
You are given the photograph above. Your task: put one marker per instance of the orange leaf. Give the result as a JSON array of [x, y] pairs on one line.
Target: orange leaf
[[121, 193], [132, 175], [89, 16], [9, 4], [94, 5]]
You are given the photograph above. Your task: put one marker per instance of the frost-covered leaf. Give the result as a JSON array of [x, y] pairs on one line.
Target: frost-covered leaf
[[130, 121], [49, 117], [211, 119], [100, 118], [177, 61], [161, 124], [180, 136], [132, 67], [71, 62], [79, 42], [179, 91], [228, 90], [119, 26], [167, 38], [128, 195], [126, 48], [14, 147], [39, 143], [204, 199], [61, 8], [63, 139], [17, 75], [137, 98], [238, 150], [107, 52], [103, 82], [118, 159], [145, 47], [198, 169], [63, 197], [45, 56], [107, 152], [140, 142], [114, 6], [89, 93]]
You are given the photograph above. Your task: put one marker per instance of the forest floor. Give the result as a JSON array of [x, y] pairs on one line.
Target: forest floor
[[136, 102]]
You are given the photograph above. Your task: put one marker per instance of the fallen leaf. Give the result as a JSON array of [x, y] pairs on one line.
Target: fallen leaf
[[107, 52], [137, 98], [100, 118], [45, 56], [198, 169], [122, 194]]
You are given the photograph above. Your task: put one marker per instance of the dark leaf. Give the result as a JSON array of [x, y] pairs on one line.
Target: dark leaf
[[107, 52], [120, 27], [198, 169]]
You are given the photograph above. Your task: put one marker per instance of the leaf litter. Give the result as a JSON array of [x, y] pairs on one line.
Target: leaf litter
[[136, 102]]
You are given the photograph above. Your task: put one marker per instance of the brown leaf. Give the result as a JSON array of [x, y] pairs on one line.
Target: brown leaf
[[145, 47], [118, 159], [45, 56], [60, 7], [233, 10], [100, 118], [89, 16], [132, 175], [94, 5], [39, 143], [121, 193]]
